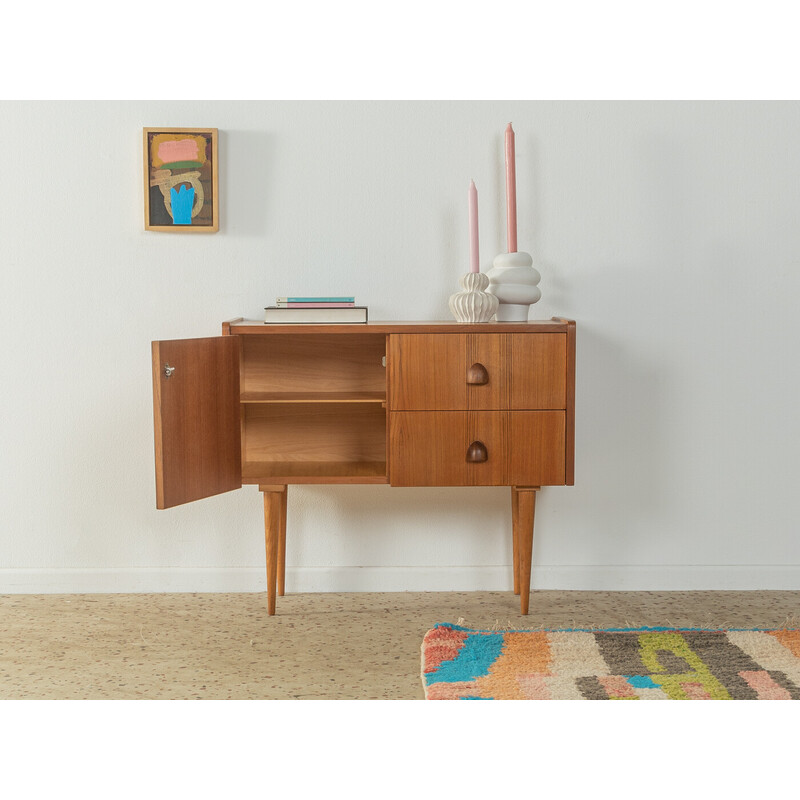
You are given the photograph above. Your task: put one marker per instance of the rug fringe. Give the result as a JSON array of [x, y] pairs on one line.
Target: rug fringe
[[790, 622]]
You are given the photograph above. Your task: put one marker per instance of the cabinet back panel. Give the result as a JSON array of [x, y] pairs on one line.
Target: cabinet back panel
[[314, 433], [313, 363]]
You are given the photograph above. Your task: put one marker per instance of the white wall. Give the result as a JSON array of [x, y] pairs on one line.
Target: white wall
[[669, 231]]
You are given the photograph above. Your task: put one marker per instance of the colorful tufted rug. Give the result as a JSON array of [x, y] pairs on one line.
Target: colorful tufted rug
[[615, 664]]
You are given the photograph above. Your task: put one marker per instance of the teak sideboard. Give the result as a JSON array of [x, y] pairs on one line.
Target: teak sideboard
[[403, 403]]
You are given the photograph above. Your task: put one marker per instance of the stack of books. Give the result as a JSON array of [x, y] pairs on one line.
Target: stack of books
[[291, 310]]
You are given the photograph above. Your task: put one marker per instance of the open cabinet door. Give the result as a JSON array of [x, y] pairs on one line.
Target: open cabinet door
[[196, 411]]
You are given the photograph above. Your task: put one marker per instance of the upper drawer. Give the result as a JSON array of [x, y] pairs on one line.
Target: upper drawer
[[486, 371]]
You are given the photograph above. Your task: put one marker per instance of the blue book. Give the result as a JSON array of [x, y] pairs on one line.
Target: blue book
[[315, 299]]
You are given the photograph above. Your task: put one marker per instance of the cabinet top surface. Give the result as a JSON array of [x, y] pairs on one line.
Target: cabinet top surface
[[252, 326]]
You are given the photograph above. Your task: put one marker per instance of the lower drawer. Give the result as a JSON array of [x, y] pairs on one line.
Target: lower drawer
[[477, 448]]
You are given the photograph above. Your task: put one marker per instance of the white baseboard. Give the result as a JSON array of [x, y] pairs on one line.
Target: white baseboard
[[399, 579]]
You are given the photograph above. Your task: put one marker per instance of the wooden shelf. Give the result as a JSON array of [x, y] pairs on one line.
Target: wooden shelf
[[313, 397], [314, 472]]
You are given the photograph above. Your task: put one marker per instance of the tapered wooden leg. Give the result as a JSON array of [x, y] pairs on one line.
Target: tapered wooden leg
[[526, 507], [282, 544], [515, 537], [274, 498]]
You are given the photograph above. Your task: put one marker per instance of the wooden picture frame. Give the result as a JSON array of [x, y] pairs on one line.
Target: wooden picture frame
[[181, 184]]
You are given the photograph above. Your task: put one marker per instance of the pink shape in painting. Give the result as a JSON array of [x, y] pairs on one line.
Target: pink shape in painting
[[178, 150]]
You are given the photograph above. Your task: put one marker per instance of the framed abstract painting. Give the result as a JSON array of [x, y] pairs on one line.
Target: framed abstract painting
[[181, 189]]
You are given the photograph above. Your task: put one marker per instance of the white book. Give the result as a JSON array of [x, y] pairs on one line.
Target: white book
[[290, 316]]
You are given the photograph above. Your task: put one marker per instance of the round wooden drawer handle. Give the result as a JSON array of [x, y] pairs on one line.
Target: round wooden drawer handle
[[477, 453], [477, 375]]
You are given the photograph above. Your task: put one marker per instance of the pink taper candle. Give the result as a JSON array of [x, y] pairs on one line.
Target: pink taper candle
[[474, 259], [511, 190]]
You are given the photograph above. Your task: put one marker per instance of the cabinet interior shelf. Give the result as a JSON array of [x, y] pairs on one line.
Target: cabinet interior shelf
[[312, 397], [314, 471]]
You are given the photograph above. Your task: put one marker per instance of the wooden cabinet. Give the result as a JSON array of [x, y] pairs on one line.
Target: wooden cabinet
[[410, 404]]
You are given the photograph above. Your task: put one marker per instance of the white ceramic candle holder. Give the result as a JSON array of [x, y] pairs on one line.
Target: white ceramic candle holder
[[513, 281], [473, 304]]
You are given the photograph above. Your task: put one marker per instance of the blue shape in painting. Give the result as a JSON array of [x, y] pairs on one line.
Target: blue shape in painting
[[182, 202], [472, 661]]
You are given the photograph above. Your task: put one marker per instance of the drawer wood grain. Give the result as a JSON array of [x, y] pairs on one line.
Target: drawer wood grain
[[431, 372], [425, 371], [431, 448], [538, 369]]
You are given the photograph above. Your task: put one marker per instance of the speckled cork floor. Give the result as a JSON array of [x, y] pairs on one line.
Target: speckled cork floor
[[318, 646]]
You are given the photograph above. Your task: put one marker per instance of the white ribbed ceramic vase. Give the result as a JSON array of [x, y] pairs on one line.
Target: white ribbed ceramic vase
[[513, 281], [473, 304]]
